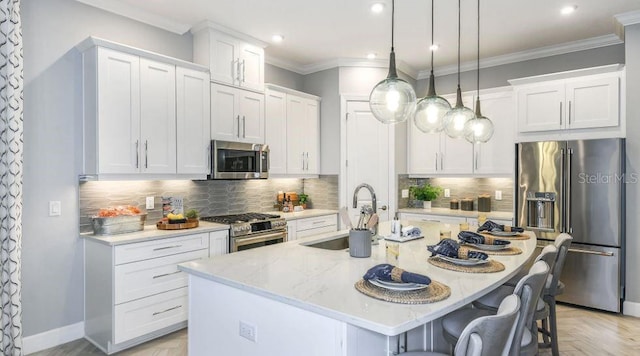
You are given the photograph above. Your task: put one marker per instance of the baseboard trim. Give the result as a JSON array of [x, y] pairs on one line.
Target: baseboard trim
[[631, 308], [51, 338]]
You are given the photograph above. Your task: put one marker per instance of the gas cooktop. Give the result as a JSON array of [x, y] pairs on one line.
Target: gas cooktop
[[240, 218]]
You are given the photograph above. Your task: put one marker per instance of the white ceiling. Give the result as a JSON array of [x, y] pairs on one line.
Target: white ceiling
[[324, 31]]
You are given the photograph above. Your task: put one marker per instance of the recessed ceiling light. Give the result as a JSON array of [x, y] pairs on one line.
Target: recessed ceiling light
[[434, 47], [371, 56], [277, 38], [377, 8], [568, 9]]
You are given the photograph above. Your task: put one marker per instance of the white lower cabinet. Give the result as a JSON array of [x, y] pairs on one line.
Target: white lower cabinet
[[135, 292], [316, 225], [292, 230], [432, 218], [218, 243]]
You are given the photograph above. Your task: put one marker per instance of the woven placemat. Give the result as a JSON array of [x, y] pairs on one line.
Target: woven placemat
[[504, 252], [517, 237], [435, 292], [489, 267]]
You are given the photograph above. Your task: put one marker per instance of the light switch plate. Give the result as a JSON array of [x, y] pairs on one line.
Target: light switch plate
[[150, 203], [447, 193], [55, 208], [405, 193], [498, 194]]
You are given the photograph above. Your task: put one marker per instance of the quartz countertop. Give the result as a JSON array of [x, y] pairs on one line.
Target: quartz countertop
[[322, 281], [503, 215], [308, 213], [151, 232]]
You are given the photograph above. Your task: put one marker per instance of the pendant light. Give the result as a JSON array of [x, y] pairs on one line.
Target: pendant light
[[393, 99], [456, 119], [431, 109], [480, 128]]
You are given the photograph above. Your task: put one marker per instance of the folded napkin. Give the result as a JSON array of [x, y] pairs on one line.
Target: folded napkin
[[451, 248], [411, 231], [387, 272], [491, 226], [471, 237]]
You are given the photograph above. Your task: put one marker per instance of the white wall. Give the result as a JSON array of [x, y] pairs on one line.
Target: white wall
[[632, 53], [52, 273]]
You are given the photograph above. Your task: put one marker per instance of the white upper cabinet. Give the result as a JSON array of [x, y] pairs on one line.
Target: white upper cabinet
[[193, 121], [233, 58], [236, 114], [437, 154], [293, 132], [570, 101], [139, 107]]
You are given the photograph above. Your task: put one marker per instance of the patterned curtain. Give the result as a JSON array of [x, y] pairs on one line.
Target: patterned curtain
[[11, 87]]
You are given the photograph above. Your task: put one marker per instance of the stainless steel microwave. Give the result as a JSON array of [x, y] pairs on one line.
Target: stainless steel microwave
[[239, 160]]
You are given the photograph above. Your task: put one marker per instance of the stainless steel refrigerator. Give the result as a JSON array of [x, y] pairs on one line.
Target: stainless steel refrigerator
[[578, 187]]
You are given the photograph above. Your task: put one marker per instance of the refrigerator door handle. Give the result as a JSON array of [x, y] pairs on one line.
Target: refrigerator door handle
[[562, 197], [568, 228], [589, 252]]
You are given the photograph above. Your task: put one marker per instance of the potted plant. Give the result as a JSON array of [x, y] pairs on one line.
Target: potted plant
[[304, 198], [425, 193]]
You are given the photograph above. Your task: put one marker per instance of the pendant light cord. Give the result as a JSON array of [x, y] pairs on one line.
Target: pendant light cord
[[459, 43], [432, 1], [478, 74], [393, 16]]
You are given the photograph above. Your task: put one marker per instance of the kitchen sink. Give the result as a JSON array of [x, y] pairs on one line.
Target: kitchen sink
[[339, 243]]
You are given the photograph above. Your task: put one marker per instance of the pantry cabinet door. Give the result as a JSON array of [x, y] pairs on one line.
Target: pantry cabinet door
[[296, 111], [276, 130]]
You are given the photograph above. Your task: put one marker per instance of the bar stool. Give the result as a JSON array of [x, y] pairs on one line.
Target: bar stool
[[485, 335], [546, 311], [529, 290]]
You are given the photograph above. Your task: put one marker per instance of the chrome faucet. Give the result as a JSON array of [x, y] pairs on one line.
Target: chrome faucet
[[373, 200]]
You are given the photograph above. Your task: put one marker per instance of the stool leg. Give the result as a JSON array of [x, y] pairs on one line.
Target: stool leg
[[555, 351], [545, 331]]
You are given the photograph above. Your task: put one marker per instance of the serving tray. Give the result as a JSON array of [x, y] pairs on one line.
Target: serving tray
[[190, 224]]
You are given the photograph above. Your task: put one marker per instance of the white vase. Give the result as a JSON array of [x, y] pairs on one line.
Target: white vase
[[426, 205]]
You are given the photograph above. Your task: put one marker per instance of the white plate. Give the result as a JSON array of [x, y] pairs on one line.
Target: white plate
[[461, 262], [397, 286], [490, 247], [503, 233]]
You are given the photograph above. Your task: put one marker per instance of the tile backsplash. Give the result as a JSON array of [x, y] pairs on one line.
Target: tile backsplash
[[215, 197], [462, 188]]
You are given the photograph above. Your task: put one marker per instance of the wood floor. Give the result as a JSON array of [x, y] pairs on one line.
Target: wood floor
[[582, 332]]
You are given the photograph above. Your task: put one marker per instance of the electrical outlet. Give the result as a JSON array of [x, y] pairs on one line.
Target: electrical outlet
[[447, 193], [498, 194], [248, 331], [150, 203], [55, 208], [405, 193]]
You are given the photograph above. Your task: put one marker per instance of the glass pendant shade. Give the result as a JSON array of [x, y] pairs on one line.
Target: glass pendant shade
[[392, 100], [430, 110], [456, 119], [480, 128]]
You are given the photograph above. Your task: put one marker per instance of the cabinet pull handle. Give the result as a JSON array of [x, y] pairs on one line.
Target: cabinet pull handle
[[166, 247], [244, 79], [307, 160], [167, 310], [303, 161], [146, 154], [237, 65], [569, 118], [436, 161], [165, 274], [441, 161], [244, 127], [238, 121], [560, 113], [137, 155]]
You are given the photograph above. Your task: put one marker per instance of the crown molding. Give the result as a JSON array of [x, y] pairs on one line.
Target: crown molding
[[626, 19], [569, 47], [139, 15], [305, 69], [206, 24]]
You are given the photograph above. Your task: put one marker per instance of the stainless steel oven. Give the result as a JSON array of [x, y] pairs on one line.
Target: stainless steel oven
[[251, 230], [239, 160]]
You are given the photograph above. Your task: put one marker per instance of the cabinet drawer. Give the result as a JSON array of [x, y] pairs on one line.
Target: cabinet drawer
[[158, 248], [149, 314], [319, 230], [432, 218], [313, 223], [142, 279]]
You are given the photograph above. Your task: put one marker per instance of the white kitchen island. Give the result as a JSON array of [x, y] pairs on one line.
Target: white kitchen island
[[293, 299]]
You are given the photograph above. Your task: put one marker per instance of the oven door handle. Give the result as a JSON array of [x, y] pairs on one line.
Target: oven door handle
[[261, 238]]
